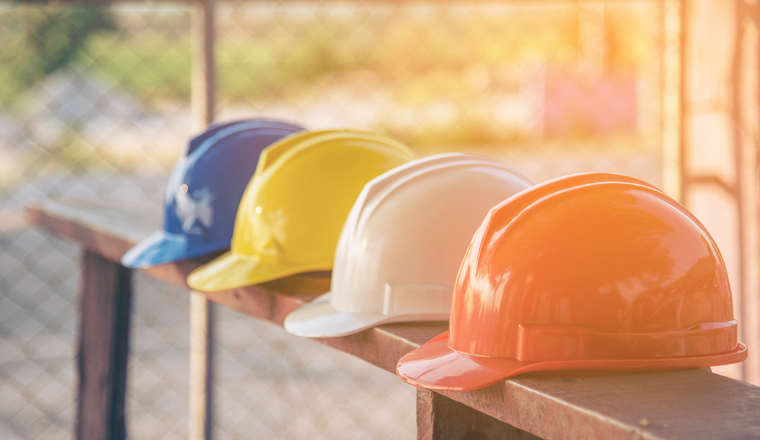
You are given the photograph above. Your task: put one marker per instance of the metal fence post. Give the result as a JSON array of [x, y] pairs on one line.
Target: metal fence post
[[201, 310]]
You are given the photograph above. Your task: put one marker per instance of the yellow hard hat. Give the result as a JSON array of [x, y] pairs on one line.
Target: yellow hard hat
[[294, 207]]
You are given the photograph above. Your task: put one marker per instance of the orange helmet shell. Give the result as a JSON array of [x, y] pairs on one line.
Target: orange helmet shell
[[592, 271]]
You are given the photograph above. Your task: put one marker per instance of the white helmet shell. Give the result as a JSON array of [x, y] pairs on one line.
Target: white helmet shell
[[403, 242]]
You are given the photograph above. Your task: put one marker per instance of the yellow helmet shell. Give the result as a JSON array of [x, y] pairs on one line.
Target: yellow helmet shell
[[294, 207]]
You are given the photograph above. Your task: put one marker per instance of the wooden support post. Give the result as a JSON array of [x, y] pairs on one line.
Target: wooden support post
[[103, 348], [750, 180], [440, 418], [201, 310], [720, 164], [592, 40], [201, 367], [673, 157]]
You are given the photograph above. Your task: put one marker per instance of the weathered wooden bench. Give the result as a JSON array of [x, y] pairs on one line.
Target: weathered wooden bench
[[687, 404]]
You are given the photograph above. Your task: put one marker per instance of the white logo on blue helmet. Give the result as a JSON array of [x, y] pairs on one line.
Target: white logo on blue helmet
[[195, 211]]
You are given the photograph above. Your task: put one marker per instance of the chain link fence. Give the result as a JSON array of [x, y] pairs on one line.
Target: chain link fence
[[95, 101]]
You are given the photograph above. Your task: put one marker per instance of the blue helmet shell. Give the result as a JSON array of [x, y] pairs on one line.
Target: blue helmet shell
[[204, 191]]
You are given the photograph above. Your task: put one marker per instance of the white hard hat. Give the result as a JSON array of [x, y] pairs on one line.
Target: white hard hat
[[403, 241]]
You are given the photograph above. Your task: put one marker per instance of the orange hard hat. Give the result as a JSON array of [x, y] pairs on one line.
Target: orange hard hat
[[591, 271]]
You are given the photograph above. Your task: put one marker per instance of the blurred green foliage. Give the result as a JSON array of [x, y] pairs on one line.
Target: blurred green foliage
[[286, 55], [415, 54], [38, 39]]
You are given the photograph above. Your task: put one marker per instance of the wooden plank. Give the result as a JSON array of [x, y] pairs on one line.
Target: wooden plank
[[98, 225], [440, 418], [690, 404], [103, 348]]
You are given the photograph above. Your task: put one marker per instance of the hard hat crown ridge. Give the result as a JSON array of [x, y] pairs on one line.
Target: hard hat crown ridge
[[586, 272], [293, 208], [286, 151], [204, 190], [630, 281], [510, 207], [429, 185], [381, 188], [329, 154], [275, 152], [403, 241], [214, 133], [233, 167]]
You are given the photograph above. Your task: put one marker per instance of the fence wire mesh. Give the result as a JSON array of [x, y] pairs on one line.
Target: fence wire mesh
[[95, 101]]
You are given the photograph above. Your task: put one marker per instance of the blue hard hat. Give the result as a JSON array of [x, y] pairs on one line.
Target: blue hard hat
[[204, 191]]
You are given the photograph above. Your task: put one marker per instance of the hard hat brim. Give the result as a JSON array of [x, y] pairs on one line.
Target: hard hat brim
[[163, 247], [436, 366], [319, 319], [231, 271]]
